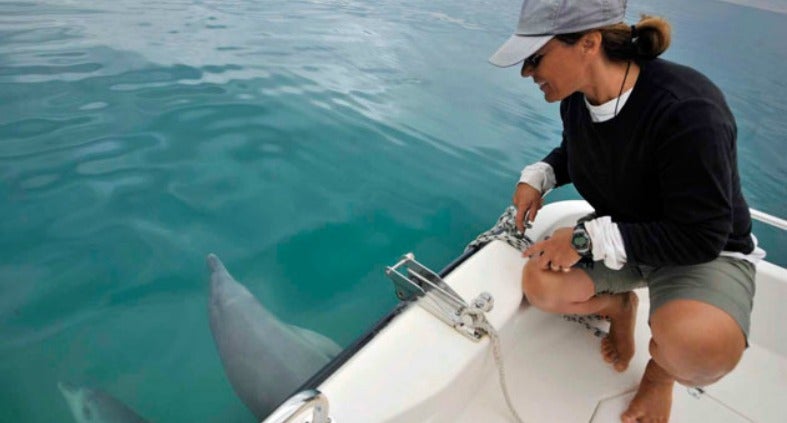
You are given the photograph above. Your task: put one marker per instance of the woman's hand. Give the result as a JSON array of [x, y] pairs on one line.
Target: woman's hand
[[555, 252], [527, 201]]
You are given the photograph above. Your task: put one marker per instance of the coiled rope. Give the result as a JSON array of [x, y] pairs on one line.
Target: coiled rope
[[505, 230]]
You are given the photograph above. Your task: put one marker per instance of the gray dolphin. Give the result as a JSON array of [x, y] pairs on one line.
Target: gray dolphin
[[265, 359], [95, 406]]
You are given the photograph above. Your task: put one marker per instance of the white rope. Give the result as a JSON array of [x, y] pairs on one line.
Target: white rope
[[505, 230], [498, 354]]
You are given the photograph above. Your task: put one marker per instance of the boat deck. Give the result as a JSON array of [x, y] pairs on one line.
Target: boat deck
[[420, 369], [555, 373], [560, 377]]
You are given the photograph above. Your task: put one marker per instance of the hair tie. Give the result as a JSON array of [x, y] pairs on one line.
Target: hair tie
[[634, 33]]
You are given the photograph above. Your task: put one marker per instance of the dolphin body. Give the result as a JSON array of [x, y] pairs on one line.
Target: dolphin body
[[95, 406], [265, 359]]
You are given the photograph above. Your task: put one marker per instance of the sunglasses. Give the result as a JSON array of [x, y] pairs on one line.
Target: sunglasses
[[533, 60]]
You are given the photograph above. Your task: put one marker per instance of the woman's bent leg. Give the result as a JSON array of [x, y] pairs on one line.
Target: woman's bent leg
[[694, 343], [574, 292]]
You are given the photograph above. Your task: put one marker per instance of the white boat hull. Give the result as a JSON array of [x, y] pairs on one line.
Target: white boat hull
[[418, 369]]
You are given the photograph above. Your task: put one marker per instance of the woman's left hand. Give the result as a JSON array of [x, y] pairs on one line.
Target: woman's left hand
[[555, 252]]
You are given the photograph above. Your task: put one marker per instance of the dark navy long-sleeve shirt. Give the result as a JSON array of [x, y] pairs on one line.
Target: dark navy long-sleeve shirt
[[664, 169]]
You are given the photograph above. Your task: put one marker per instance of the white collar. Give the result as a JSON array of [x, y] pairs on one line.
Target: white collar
[[606, 111]]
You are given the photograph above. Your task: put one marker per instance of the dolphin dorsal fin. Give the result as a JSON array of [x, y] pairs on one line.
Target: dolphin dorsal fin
[[320, 342]]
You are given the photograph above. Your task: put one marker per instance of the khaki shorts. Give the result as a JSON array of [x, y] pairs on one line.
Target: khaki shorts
[[726, 283]]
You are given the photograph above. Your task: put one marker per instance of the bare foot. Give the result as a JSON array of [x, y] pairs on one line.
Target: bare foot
[[618, 347], [654, 397]]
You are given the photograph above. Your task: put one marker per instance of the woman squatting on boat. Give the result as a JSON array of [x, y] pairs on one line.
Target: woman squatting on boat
[[651, 145]]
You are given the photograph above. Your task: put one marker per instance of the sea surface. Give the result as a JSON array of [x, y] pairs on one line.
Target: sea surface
[[307, 143]]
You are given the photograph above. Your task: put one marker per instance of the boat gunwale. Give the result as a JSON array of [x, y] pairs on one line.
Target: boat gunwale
[[337, 362]]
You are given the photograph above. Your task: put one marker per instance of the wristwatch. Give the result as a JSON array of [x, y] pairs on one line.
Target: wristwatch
[[580, 240]]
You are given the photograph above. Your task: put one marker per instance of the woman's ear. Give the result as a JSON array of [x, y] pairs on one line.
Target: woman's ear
[[591, 42]]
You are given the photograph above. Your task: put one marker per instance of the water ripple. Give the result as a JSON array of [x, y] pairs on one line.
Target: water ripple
[[56, 34], [29, 128], [49, 70]]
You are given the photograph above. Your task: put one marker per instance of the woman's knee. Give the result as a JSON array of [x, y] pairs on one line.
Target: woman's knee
[[696, 342], [536, 291], [553, 291]]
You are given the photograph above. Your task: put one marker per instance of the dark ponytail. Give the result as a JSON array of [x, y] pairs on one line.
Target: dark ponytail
[[646, 40], [652, 36]]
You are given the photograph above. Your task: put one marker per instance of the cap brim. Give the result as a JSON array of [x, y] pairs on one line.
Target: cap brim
[[518, 48]]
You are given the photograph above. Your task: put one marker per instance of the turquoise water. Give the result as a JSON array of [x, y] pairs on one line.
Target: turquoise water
[[307, 143]]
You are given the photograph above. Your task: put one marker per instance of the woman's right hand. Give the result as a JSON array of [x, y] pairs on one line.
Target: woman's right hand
[[527, 201]]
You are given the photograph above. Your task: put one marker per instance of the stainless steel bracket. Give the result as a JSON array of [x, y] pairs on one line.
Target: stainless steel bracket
[[415, 282], [299, 403]]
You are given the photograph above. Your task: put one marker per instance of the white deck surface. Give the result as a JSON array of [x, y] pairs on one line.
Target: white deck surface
[[556, 374], [420, 370]]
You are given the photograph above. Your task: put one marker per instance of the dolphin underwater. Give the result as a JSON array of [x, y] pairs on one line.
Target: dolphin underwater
[[95, 406], [264, 359]]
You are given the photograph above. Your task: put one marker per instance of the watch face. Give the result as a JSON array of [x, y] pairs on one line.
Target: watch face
[[581, 241]]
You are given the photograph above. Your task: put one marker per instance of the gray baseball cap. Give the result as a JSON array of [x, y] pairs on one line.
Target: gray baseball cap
[[540, 20]]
